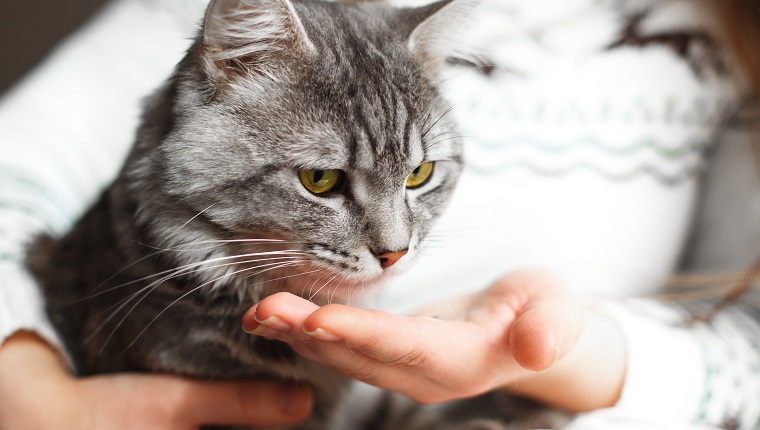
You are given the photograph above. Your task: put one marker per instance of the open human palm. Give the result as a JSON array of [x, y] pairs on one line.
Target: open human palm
[[515, 335]]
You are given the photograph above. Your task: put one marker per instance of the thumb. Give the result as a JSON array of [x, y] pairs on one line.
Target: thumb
[[258, 403], [544, 332]]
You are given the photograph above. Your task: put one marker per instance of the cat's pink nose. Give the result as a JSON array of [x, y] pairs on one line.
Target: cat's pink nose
[[388, 259]]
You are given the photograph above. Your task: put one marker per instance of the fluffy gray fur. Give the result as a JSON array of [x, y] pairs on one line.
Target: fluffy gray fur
[[208, 214]]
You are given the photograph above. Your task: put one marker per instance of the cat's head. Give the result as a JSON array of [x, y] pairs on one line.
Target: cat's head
[[303, 141]]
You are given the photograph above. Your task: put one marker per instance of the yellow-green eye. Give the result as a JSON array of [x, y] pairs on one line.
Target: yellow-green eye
[[321, 181], [420, 175]]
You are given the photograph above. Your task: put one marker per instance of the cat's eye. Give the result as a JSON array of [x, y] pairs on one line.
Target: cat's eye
[[420, 176], [321, 181]]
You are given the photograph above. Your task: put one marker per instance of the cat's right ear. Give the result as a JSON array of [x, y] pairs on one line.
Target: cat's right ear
[[434, 31], [251, 39]]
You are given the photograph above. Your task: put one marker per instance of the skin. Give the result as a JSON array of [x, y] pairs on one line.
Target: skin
[[38, 392], [523, 335]]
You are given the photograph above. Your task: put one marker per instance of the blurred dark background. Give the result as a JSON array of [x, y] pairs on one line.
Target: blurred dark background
[[29, 29]]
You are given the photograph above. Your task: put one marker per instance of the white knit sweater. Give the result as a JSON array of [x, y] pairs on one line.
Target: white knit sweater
[[582, 159]]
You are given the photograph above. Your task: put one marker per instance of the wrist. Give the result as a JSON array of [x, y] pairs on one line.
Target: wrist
[[25, 345]]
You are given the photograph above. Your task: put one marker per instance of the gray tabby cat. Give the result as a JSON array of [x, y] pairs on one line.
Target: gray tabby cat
[[299, 146]]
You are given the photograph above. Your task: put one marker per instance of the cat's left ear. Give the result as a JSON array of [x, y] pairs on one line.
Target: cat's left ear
[[252, 38], [434, 31]]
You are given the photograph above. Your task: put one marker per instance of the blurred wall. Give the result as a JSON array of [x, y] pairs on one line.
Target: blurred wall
[[29, 29]]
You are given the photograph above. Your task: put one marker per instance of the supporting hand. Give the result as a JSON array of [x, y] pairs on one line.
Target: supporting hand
[[36, 391]]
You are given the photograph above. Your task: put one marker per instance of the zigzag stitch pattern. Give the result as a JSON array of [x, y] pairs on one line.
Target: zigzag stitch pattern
[[687, 148], [669, 180]]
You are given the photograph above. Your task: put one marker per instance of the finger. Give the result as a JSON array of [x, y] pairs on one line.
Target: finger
[[383, 336], [387, 338], [543, 333], [323, 332], [281, 317], [258, 403], [284, 316], [280, 312], [544, 323], [409, 350], [277, 317], [364, 330], [406, 354], [363, 343]]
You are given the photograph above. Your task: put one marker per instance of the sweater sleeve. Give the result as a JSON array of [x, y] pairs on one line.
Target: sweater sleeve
[[687, 375], [65, 129]]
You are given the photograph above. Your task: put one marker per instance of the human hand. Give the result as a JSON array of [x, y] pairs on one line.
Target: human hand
[[523, 334], [37, 392]]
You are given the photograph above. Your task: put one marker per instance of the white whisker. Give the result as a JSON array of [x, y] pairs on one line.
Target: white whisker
[[125, 301], [287, 254], [286, 277], [177, 272], [311, 297], [335, 290], [220, 242], [185, 223], [182, 297], [129, 312]]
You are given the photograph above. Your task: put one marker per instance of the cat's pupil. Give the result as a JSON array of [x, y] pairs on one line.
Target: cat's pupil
[[318, 174], [416, 171]]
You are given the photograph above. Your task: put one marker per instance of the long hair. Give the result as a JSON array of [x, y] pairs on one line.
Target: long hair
[[741, 25]]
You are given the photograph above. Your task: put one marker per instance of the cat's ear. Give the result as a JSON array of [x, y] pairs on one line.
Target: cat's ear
[[434, 31], [252, 38]]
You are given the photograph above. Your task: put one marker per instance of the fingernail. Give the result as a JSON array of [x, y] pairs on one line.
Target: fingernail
[[295, 400], [250, 326], [323, 334], [275, 323]]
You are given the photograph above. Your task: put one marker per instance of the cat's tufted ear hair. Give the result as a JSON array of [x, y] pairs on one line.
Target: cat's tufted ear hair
[[251, 38], [434, 31]]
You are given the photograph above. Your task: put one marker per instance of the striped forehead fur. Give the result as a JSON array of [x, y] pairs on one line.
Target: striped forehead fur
[[243, 28]]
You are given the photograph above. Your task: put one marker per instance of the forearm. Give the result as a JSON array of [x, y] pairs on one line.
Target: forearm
[[643, 358], [683, 372], [28, 362], [23, 347]]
